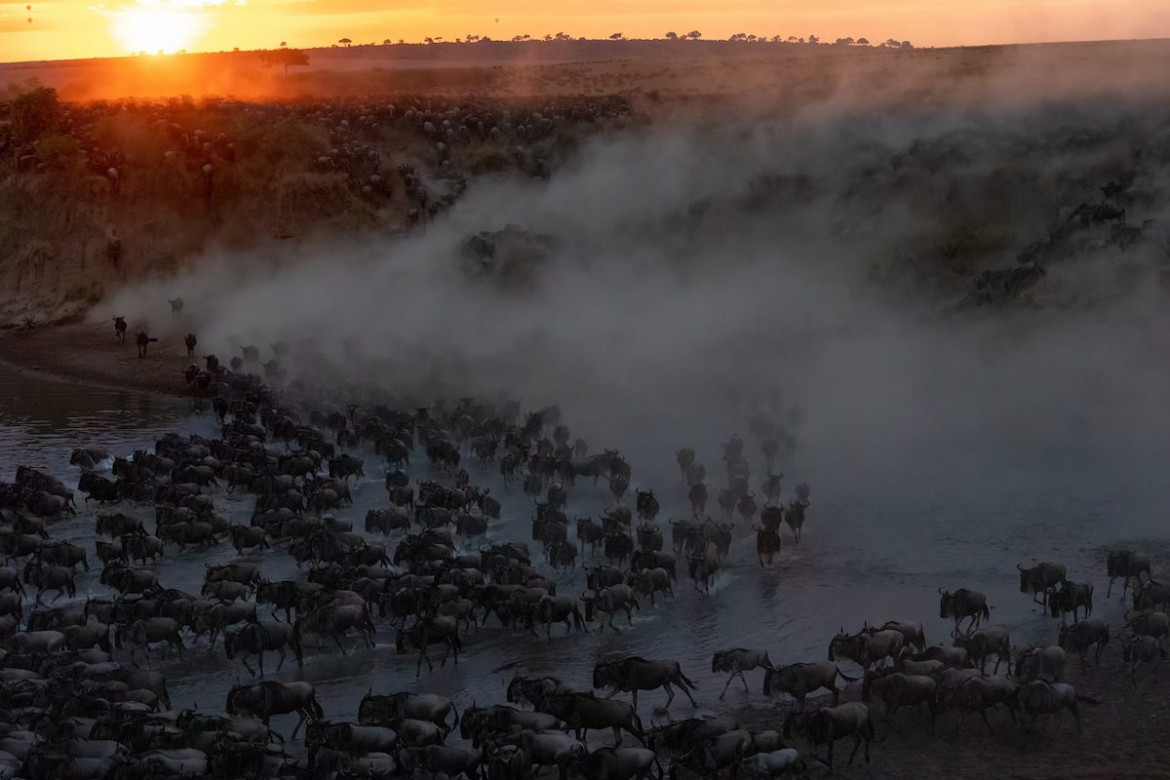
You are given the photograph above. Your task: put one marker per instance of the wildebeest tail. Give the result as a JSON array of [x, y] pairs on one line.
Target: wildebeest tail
[[318, 713], [684, 680]]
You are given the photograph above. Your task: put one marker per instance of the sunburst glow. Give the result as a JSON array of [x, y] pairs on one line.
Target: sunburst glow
[[154, 28]]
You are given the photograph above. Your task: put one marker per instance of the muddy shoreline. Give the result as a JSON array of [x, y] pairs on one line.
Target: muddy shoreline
[[89, 354]]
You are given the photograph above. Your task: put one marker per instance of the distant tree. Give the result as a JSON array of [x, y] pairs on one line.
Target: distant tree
[[386, 42], [617, 37], [283, 44], [286, 58], [345, 42], [844, 42], [893, 43], [738, 37], [813, 39], [548, 36], [401, 41], [752, 38], [35, 114], [563, 37], [428, 40], [438, 39], [794, 39], [672, 36], [694, 35], [907, 45], [863, 41]]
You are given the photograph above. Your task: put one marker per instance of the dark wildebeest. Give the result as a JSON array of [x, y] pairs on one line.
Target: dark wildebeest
[[142, 633], [867, 647], [983, 643], [143, 340], [829, 724], [609, 600], [1083, 635], [1040, 579], [258, 638], [583, 712], [1127, 565], [738, 660], [979, 694], [1142, 649], [335, 620], [767, 543], [635, 673], [1072, 597], [896, 690], [266, 699], [1040, 697], [190, 341], [962, 604], [120, 328], [384, 709], [431, 631]]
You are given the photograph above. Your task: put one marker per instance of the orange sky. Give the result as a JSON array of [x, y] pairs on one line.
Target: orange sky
[[62, 29]]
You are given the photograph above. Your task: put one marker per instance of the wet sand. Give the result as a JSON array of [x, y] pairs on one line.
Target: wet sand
[[89, 352]]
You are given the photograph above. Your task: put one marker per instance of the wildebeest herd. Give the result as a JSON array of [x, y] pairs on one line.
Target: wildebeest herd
[[78, 699]]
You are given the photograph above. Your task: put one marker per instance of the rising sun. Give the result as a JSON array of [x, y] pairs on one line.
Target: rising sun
[[152, 28]]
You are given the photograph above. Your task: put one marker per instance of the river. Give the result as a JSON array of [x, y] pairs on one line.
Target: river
[[877, 545]]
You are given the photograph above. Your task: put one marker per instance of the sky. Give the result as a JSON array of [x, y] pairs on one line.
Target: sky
[[65, 29]]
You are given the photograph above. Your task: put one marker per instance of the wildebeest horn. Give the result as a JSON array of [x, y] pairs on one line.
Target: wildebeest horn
[[940, 590], [1020, 566]]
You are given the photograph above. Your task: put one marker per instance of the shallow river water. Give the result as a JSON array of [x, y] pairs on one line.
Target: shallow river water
[[876, 547]]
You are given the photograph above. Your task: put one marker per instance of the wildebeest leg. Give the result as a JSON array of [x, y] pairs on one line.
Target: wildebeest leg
[[283, 655], [683, 687], [857, 740], [986, 722], [251, 671], [337, 641], [636, 699], [300, 722], [669, 694], [730, 677]]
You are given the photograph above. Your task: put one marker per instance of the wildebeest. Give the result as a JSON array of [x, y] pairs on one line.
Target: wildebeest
[[767, 543], [335, 620], [896, 690], [1142, 649], [979, 694], [383, 709], [738, 660], [615, 764], [799, 680], [776, 763], [1037, 662], [557, 609], [983, 643], [266, 699], [635, 673], [1039, 580], [1083, 635], [143, 633], [1041, 697], [1151, 595], [259, 638], [829, 724], [963, 604], [867, 648], [609, 600], [1071, 597], [431, 631], [583, 712], [1127, 565], [913, 633]]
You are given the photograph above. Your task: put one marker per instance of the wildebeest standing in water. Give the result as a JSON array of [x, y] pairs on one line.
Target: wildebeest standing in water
[[963, 604], [635, 673], [275, 698]]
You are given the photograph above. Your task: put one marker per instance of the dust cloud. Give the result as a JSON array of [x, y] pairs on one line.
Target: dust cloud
[[807, 268]]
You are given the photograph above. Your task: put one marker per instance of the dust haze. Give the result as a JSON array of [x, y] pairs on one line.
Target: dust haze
[[816, 268]]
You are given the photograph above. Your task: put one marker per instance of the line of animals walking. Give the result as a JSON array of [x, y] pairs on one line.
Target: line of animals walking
[[76, 703]]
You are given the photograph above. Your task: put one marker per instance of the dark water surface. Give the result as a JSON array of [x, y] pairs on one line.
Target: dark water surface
[[876, 547]]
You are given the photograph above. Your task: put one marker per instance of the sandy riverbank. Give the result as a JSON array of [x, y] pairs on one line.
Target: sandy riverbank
[[89, 352]]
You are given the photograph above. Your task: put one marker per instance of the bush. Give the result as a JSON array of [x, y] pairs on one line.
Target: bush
[[58, 151], [35, 114]]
